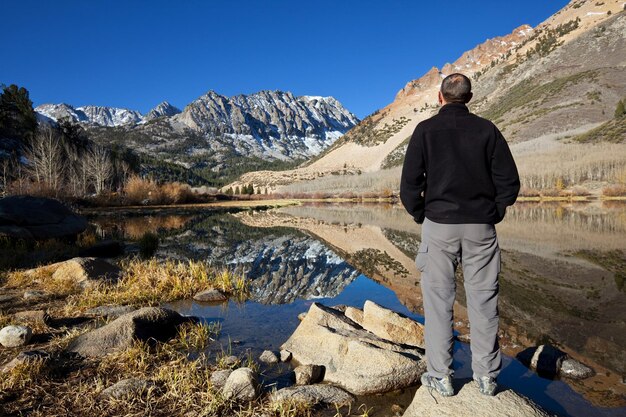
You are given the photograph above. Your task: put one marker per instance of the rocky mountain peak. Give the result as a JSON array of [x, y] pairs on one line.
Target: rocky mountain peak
[[162, 109], [470, 61]]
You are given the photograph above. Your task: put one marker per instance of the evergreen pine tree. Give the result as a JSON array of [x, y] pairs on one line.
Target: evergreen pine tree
[[237, 190], [17, 117]]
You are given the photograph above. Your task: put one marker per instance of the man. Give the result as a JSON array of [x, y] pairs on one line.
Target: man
[[458, 178]]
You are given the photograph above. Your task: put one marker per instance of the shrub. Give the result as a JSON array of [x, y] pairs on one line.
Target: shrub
[[175, 192], [618, 190], [148, 244], [138, 189]]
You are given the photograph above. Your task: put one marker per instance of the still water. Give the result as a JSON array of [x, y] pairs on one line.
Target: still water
[[562, 281]]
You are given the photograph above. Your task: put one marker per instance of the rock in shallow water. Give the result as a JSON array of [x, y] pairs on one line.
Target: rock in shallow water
[[546, 360], [353, 358], [268, 357], [571, 368], [210, 295], [14, 336]]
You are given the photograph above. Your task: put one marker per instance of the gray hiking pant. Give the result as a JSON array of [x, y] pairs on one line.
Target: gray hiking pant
[[476, 247]]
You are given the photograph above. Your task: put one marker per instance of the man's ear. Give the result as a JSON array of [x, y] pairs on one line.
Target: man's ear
[[440, 97], [469, 97]]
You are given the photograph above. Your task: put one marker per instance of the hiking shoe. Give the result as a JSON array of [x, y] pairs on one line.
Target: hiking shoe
[[487, 385], [442, 385]]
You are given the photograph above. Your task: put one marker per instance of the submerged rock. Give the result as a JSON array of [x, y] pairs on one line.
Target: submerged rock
[[468, 401], [87, 272], [210, 295], [125, 388], [242, 385], [315, 394], [353, 358], [14, 336], [144, 324]]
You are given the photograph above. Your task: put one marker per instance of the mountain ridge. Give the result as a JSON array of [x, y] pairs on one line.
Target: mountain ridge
[[519, 72]]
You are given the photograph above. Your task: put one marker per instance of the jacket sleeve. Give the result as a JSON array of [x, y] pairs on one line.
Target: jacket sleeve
[[413, 181], [504, 175]]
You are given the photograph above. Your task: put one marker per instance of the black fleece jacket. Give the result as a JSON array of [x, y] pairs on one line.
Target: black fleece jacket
[[458, 169]]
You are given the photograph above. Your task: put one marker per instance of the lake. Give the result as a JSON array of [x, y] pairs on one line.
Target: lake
[[562, 282]]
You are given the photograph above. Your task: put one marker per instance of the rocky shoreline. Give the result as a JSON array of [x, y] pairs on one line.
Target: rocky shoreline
[[105, 356]]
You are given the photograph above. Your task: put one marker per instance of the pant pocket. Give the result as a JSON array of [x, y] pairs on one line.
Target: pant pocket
[[421, 260]]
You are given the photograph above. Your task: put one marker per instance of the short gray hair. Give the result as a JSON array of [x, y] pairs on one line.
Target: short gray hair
[[456, 88]]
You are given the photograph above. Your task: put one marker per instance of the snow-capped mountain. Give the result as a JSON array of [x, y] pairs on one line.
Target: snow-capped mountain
[[270, 125], [95, 115], [163, 109]]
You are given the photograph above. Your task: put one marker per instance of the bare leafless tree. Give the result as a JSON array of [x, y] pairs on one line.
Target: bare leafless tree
[[46, 160], [99, 167]]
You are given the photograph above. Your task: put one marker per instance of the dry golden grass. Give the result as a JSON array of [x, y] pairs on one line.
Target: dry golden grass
[[179, 386], [151, 282], [23, 375], [143, 282]]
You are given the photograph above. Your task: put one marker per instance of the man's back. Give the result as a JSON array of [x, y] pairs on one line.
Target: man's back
[[458, 178], [470, 175]]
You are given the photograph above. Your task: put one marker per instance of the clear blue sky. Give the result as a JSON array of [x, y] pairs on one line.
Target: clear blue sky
[[135, 54]]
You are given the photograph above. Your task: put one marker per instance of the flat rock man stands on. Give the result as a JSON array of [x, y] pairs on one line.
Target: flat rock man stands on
[[458, 178]]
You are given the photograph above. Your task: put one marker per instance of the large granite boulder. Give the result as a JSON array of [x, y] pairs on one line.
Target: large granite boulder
[[28, 217], [470, 402], [87, 272], [388, 324], [148, 323], [353, 358]]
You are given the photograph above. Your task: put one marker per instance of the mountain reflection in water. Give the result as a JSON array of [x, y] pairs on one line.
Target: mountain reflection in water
[[562, 279]]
